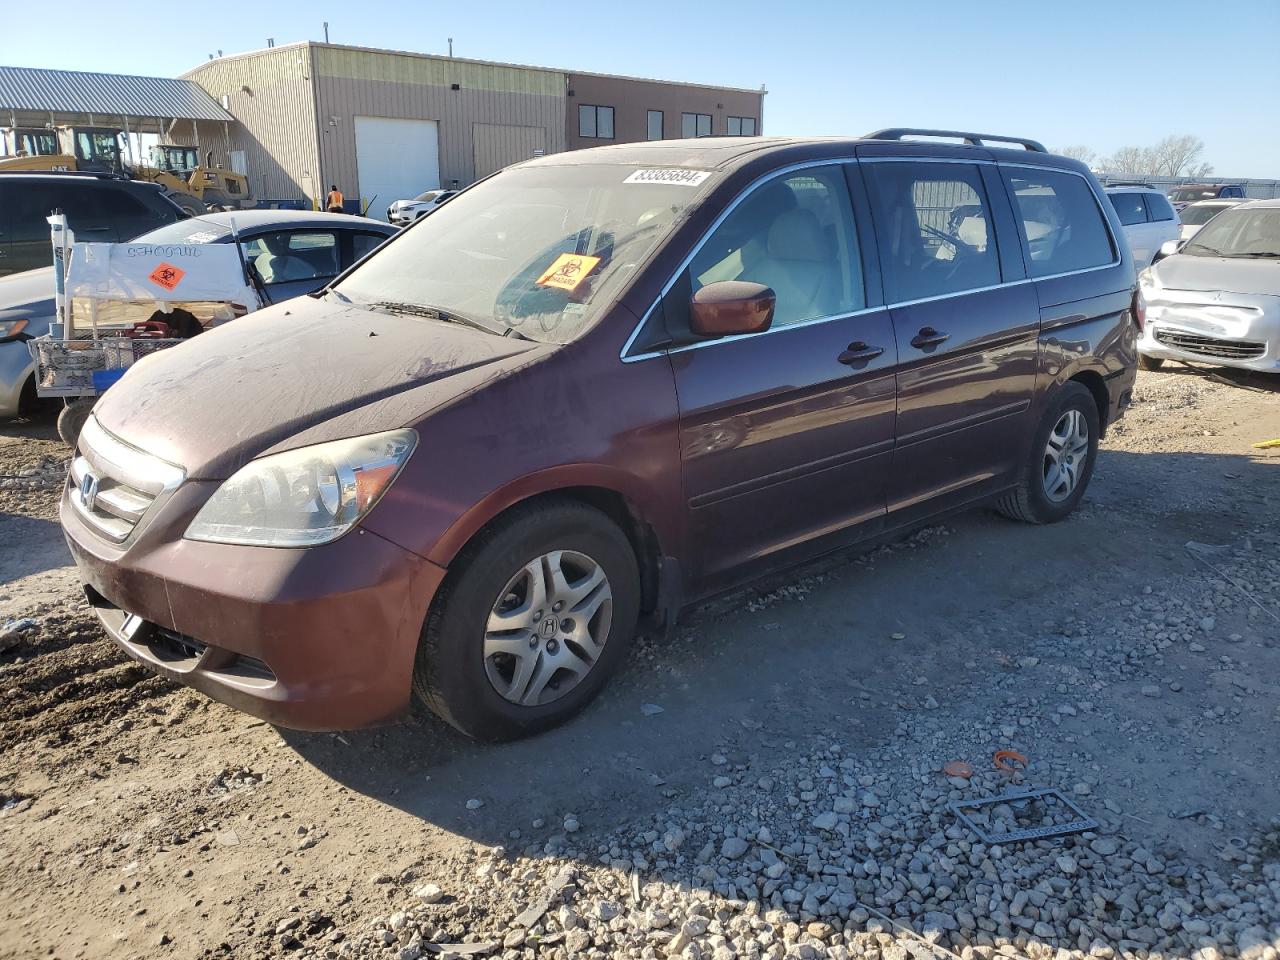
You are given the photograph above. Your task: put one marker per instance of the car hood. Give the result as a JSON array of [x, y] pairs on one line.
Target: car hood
[[1186, 272], [26, 294], [303, 372]]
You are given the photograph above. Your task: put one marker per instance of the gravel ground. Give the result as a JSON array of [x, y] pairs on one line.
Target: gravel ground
[[767, 783]]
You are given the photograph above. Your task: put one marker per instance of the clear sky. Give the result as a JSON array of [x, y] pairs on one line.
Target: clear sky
[[1103, 74]]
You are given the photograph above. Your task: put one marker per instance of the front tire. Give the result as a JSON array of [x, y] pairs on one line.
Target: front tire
[[1063, 452], [533, 618], [1150, 364]]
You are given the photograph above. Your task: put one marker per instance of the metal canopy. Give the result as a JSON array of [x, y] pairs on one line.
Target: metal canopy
[[30, 90]]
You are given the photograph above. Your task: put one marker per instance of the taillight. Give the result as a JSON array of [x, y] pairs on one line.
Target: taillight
[[1139, 310]]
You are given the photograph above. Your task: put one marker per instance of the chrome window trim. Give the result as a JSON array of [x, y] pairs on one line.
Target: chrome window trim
[[625, 357], [135, 467]]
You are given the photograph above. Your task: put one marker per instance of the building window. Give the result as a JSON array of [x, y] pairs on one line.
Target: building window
[[595, 122], [655, 125], [742, 126], [695, 124]]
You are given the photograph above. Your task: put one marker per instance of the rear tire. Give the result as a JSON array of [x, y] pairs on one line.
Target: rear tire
[[1060, 465], [71, 420], [1151, 364], [501, 657]]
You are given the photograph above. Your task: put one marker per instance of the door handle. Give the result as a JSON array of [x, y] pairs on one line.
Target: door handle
[[859, 351], [928, 337]]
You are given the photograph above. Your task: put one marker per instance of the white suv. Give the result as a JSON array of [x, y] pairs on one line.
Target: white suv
[[1147, 217]]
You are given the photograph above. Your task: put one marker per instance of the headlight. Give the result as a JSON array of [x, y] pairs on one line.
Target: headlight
[[303, 497], [9, 329]]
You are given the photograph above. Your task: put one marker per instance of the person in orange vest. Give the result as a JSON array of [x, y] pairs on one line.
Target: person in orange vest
[[333, 203]]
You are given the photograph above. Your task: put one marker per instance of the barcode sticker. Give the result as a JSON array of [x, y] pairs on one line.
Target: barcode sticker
[[672, 175]]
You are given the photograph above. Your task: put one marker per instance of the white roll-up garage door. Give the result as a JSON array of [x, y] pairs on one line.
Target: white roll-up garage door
[[395, 160]]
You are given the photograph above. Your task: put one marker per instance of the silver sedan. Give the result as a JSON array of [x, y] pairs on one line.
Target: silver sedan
[[1217, 300]]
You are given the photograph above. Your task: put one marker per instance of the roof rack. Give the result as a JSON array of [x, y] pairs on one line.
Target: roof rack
[[973, 139], [1128, 183]]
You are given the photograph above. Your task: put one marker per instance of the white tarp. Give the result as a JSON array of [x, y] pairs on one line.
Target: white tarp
[[161, 272]]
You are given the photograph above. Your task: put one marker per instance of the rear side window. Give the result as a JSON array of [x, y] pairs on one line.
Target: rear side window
[[1129, 208], [933, 223], [1061, 221], [794, 234], [1159, 207], [118, 205]]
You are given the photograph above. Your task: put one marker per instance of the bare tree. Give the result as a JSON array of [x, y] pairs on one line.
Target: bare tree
[[1078, 152], [1179, 156], [1139, 161]]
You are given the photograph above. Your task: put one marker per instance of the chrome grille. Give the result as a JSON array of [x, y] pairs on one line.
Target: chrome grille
[[113, 485], [1211, 346]]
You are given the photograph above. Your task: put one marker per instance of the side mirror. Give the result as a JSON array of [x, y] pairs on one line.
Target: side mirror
[[730, 307], [1167, 249]]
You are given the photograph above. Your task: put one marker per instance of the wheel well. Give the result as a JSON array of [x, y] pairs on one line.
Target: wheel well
[[1097, 386], [620, 510]]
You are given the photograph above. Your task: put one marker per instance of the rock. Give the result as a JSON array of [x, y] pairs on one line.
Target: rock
[[1067, 864], [824, 821], [576, 942], [721, 782], [429, 893], [651, 709], [474, 804], [1150, 690], [1208, 623], [733, 848], [571, 825], [12, 631], [606, 910], [1104, 846], [1253, 943]]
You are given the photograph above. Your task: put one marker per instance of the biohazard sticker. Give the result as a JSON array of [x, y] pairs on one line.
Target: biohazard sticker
[[569, 270], [167, 275]]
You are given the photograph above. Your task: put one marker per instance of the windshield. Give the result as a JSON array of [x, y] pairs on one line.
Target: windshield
[[1197, 214], [429, 195], [1191, 194], [543, 250], [1244, 234]]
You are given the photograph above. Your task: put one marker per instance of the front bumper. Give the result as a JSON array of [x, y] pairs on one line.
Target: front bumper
[[1224, 330], [314, 639], [16, 368]]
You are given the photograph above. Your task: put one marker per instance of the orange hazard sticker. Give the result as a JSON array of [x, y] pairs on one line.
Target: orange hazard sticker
[[569, 270], [167, 275]]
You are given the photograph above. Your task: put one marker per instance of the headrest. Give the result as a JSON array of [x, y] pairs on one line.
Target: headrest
[[797, 235]]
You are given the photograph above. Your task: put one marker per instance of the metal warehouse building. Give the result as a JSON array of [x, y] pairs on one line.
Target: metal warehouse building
[[384, 125]]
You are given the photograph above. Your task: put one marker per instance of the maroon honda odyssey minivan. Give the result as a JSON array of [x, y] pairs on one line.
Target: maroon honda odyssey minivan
[[586, 392]]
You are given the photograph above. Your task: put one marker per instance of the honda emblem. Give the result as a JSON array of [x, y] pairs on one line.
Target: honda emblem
[[89, 490]]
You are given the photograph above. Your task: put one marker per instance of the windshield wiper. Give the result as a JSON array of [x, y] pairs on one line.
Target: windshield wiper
[[330, 291], [445, 316], [1254, 255]]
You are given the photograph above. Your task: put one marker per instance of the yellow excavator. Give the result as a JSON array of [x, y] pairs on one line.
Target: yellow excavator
[[193, 186]]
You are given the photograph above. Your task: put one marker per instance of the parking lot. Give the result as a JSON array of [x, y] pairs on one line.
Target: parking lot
[[765, 783]]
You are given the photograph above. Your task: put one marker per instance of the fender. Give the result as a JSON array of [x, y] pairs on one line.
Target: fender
[[659, 516]]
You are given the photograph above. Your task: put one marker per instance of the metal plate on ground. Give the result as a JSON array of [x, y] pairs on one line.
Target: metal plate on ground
[[1058, 816]]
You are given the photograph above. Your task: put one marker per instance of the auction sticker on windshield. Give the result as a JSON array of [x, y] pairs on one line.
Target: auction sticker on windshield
[[671, 175], [568, 270]]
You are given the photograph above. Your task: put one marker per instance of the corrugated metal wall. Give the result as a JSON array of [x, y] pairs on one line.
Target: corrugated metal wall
[[271, 93], [499, 145], [367, 83]]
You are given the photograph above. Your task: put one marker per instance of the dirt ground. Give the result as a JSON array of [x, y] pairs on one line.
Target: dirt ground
[[139, 819]]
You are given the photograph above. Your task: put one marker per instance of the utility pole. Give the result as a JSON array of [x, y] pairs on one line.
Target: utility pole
[[451, 48], [326, 31]]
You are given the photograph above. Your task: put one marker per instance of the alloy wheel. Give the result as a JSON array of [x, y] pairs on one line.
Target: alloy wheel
[[1065, 455], [548, 627]]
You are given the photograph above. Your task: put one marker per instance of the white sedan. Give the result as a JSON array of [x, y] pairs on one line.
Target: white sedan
[[1196, 215], [404, 212]]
